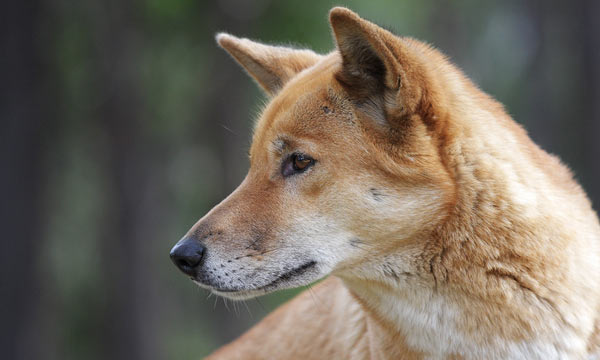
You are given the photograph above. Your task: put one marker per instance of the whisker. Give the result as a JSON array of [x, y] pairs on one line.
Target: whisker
[[314, 296], [226, 305], [228, 129], [260, 304], [248, 309], [262, 252], [271, 250]]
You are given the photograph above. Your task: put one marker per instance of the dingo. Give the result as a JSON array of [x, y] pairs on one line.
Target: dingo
[[446, 231]]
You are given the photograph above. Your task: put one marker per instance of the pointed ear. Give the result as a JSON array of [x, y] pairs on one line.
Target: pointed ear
[[372, 57], [270, 66]]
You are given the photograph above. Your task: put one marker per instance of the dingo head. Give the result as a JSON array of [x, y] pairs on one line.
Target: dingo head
[[344, 164]]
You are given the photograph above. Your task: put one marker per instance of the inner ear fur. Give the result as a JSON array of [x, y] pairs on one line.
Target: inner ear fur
[[375, 61], [271, 66]]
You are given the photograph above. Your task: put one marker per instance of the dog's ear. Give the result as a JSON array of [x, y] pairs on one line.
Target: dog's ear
[[374, 60], [270, 66]]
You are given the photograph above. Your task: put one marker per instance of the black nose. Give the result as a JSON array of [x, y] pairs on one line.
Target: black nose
[[187, 255]]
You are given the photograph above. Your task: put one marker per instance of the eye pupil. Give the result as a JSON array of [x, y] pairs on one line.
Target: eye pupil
[[301, 162], [296, 163]]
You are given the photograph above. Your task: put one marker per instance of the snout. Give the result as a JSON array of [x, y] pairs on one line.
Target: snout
[[187, 255]]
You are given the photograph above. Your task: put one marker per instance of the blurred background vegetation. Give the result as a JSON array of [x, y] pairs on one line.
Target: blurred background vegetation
[[122, 123]]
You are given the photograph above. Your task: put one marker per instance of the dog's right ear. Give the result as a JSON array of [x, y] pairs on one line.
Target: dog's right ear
[[270, 66]]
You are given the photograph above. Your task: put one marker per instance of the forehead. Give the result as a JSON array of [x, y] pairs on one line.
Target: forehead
[[312, 104]]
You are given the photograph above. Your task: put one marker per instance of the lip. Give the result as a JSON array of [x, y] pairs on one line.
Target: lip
[[281, 278], [290, 274]]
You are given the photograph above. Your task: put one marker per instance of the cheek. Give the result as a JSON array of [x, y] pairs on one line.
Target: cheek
[[315, 184], [319, 189], [313, 190], [318, 237]]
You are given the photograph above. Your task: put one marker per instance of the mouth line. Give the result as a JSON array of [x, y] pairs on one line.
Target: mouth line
[[281, 278]]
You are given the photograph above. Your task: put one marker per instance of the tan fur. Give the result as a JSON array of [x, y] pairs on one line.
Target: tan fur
[[447, 232]]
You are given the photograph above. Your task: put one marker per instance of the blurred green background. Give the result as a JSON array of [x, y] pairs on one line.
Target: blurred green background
[[122, 123]]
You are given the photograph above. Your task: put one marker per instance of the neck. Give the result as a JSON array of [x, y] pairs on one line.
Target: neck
[[411, 306]]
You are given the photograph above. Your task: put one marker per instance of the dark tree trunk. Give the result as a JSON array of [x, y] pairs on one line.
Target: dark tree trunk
[[26, 115], [128, 331]]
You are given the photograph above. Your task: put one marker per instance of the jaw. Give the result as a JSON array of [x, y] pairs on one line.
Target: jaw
[[301, 275], [240, 295]]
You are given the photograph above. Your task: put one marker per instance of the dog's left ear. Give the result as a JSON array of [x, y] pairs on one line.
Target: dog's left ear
[[270, 66], [374, 60]]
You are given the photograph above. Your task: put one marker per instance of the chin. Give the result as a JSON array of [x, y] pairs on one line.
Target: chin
[[240, 295]]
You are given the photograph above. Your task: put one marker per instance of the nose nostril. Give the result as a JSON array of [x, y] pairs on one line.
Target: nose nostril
[[187, 255], [191, 261], [182, 263]]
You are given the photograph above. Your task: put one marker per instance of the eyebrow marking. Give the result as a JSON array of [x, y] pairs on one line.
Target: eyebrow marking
[[279, 145]]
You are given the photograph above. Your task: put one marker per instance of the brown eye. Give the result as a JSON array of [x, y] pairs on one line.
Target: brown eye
[[301, 162], [296, 163]]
